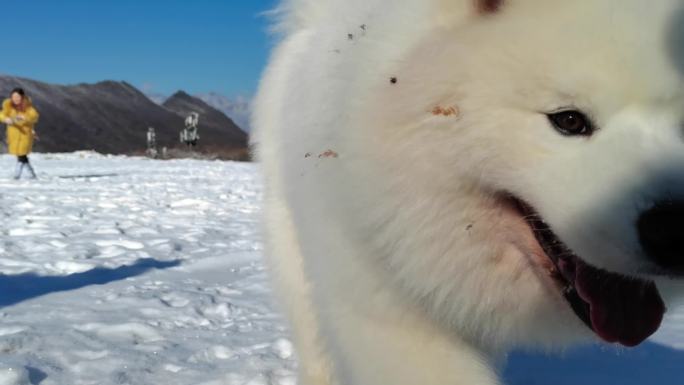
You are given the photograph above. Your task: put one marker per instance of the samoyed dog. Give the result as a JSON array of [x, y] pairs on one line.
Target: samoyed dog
[[448, 179]]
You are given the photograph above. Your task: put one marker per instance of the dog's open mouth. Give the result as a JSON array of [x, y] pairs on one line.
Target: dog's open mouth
[[617, 308]]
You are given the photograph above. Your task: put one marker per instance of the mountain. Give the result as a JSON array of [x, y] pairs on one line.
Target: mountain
[[212, 123], [156, 97], [113, 117], [239, 109]]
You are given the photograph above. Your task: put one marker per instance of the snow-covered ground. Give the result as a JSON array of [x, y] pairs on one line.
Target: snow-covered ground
[[129, 271], [117, 270]]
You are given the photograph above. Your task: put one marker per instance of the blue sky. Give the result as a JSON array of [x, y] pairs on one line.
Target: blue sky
[[158, 45]]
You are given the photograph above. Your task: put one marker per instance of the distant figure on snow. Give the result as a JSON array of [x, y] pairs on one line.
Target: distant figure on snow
[[189, 136], [20, 117], [151, 143]]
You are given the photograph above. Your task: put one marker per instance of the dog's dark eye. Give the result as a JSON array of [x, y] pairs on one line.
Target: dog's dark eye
[[572, 123]]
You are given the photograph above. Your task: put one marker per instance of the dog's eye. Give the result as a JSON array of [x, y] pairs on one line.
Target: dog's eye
[[572, 123]]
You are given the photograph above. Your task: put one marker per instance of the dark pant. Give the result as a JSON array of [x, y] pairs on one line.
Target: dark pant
[[23, 159]]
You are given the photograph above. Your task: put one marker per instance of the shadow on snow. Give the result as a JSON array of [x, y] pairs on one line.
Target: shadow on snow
[[18, 288], [87, 176]]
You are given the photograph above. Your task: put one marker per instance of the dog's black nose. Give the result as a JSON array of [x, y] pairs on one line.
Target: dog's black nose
[[661, 233]]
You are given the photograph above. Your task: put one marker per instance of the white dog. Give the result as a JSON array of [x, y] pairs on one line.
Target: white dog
[[447, 179]]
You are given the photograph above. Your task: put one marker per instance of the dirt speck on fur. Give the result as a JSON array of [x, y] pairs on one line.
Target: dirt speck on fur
[[329, 154], [445, 111], [489, 6]]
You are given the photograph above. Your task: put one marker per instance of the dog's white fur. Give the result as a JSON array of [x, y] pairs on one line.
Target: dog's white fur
[[396, 262]]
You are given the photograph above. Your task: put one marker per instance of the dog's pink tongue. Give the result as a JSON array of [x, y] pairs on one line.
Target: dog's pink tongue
[[623, 310]]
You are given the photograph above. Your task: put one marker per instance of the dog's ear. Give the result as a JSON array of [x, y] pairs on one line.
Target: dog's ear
[[488, 7]]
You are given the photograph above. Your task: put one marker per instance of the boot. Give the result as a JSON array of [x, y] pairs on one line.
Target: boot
[[32, 174], [17, 171]]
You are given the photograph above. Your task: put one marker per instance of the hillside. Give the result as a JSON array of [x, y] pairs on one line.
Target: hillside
[[213, 123]]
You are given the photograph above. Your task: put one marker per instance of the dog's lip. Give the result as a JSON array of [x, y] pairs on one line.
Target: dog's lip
[[553, 248], [599, 298]]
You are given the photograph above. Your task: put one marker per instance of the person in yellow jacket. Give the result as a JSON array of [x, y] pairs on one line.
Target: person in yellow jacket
[[20, 117]]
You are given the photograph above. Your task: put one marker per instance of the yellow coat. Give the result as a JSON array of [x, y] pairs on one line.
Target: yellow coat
[[20, 134]]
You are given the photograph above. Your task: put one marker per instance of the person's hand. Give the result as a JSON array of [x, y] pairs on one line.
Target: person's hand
[[20, 118], [8, 121], [36, 137]]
